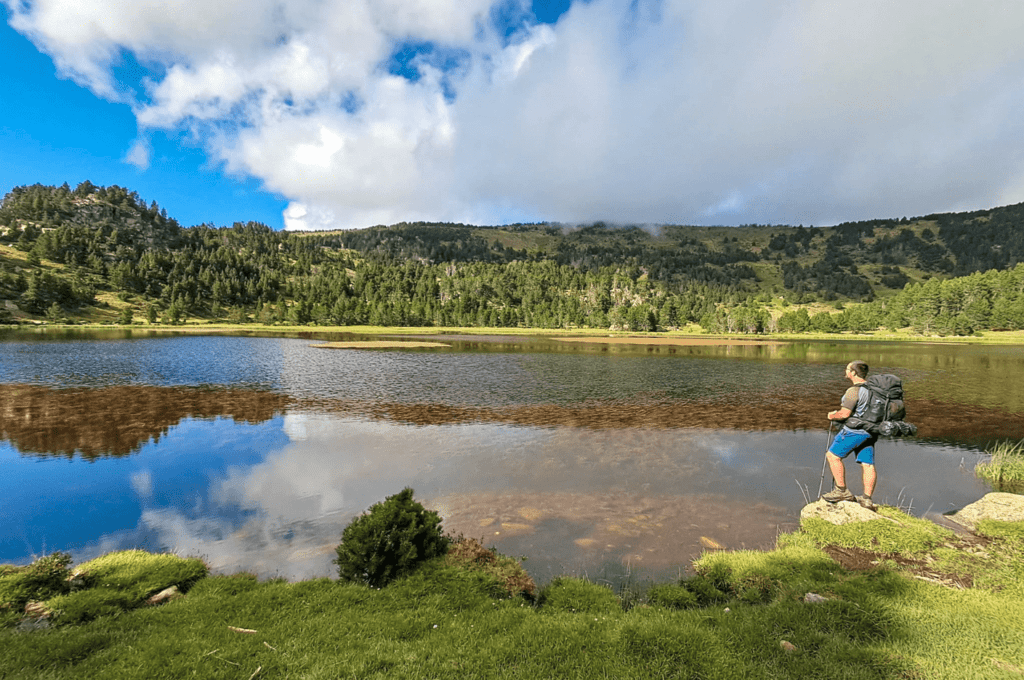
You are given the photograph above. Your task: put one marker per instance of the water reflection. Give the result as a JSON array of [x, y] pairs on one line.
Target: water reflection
[[573, 501], [256, 452], [116, 421]]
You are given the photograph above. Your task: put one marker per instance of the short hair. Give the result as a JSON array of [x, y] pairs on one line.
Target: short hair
[[859, 368]]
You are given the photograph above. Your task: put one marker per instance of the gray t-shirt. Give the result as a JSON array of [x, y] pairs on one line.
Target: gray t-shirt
[[856, 399]]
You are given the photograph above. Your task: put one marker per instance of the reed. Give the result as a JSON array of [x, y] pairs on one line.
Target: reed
[[1005, 470]]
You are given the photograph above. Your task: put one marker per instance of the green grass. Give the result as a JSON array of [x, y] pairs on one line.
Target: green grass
[[1005, 471], [456, 618], [893, 533]]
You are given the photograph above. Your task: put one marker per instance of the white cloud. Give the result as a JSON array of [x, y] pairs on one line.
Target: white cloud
[[139, 154], [142, 483], [672, 111]]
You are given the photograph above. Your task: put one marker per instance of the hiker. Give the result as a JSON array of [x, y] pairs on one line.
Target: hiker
[[853, 439]]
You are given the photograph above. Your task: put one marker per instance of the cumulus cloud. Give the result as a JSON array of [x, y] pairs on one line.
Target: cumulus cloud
[[636, 111]]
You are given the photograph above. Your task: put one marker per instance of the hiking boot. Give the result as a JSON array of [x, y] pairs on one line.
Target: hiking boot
[[835, 495], [865, 502]]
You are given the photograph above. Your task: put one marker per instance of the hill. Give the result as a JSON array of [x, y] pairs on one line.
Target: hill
[[102, 253]]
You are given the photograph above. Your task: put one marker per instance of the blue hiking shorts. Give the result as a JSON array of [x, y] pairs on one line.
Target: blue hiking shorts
[[854, 441]]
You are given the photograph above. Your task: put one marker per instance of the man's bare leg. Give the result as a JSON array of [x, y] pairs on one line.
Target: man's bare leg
[[835, 464], [868, 474]]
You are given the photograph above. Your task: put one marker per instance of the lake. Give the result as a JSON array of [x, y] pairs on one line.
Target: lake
[[611, 461]]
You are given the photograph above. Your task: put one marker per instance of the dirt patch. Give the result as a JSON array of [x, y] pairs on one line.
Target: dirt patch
[[924, 568]]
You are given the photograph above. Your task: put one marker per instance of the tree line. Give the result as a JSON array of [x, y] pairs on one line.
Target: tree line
[[81, 243]]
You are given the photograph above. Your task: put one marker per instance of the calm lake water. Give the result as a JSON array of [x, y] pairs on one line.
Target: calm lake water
[[596, 459]]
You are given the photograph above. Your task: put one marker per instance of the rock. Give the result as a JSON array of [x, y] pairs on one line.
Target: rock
[[814, 598], [1005, 507], [509, 529], [37, 610], [79, 580], [165, 595], [30, 624], [947, 522], [843, 512]]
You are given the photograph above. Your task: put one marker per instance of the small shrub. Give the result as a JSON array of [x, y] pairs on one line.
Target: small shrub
[[389, 541]]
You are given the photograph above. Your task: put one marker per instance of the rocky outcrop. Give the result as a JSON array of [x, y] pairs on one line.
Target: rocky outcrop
[[1005, 507], [844, 512]]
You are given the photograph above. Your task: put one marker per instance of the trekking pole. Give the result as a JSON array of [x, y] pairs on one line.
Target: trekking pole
[[824, 462]]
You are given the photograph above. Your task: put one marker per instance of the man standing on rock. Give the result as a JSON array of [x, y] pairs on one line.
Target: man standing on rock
[[852, 440]]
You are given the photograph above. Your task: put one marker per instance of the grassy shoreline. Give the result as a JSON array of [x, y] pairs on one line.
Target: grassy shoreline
[[789, 612], [688, 333]]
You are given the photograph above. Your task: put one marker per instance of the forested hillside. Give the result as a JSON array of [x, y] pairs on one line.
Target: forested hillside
[[104, 254]]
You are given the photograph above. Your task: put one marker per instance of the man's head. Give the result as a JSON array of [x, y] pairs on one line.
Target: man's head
[[857, 368]]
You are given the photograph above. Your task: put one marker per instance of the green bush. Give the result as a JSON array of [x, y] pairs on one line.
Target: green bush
[[389, 541]]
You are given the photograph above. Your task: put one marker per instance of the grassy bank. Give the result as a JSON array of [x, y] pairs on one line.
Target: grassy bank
[[922, 603], [691, 331]]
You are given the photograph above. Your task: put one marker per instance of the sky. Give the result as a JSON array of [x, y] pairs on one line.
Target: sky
[[316, 114]]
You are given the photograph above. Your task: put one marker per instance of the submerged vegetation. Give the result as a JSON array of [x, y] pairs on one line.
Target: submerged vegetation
[[894, 597], [102, 254], [1005, 470]]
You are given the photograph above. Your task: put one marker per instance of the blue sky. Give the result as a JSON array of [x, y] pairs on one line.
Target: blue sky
[[349, 113], [55, 131]]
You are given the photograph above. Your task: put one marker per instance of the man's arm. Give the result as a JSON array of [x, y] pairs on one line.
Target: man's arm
[[847, 405]]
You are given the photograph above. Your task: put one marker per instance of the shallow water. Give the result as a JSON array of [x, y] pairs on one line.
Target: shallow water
[[255, 452]]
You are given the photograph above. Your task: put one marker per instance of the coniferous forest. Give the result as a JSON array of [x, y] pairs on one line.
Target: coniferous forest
[[102, 254]]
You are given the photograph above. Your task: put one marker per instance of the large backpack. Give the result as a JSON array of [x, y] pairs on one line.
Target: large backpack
[[886, 410]]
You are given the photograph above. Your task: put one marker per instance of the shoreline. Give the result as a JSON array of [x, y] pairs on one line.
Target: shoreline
[[588, 335]]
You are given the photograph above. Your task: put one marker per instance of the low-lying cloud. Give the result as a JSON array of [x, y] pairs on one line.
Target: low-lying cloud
[[627, 111]]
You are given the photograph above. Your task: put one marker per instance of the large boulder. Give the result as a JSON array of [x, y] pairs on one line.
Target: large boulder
[[1006, 507], [843, 512]]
